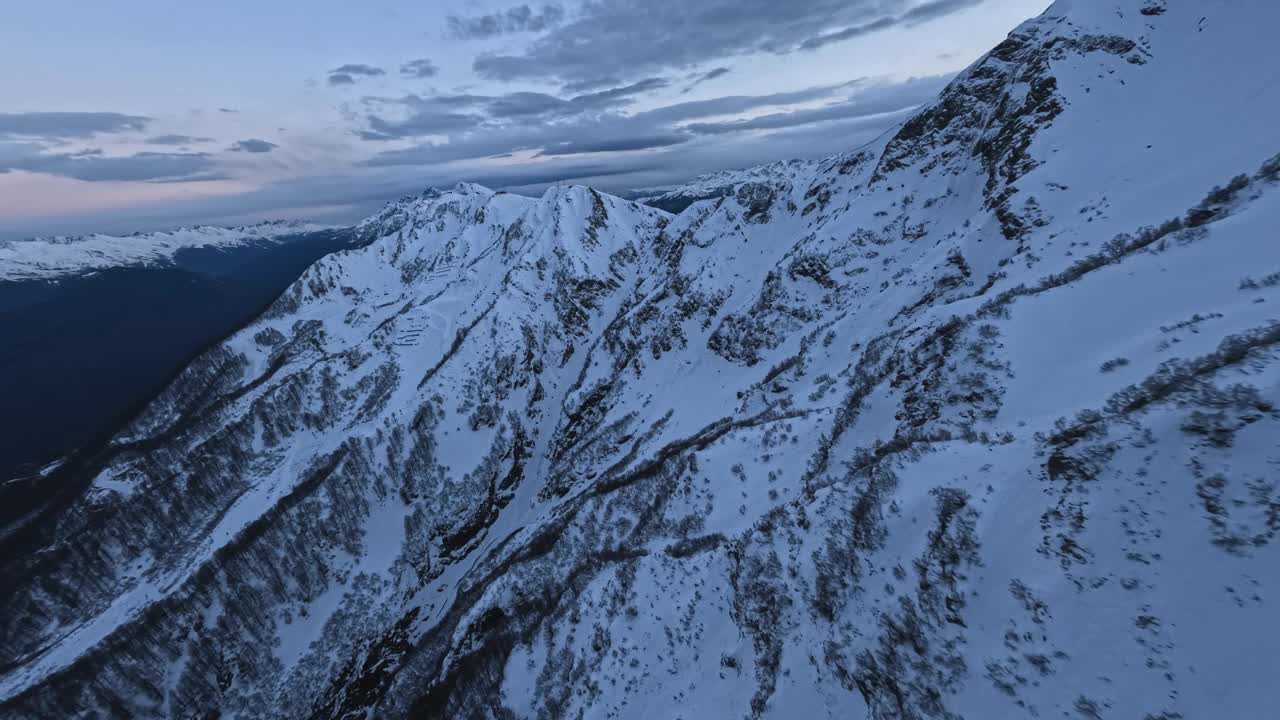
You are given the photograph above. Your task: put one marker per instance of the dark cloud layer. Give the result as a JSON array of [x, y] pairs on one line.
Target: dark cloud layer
[[349, 197], [594, 83], [620, 144], [253, 145], [705, 77], [607, 56], [347, 74], [359, 69], [478, 127], [612, 51], [94, 166], [873, 101], [913, 16], [429, 116], [68, 125], [521, 18], [623, 39], [176, 140], [421, 68], [444, 114]]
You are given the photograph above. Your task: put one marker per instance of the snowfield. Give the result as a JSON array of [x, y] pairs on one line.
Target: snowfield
[[980, 420]]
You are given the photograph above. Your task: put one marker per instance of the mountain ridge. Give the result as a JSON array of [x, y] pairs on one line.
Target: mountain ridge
[[675, 198]]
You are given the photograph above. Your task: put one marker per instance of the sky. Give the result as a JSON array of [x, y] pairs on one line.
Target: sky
[[150, 114]]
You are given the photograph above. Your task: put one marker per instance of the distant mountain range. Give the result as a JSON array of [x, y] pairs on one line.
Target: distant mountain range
[[675, 198], [53, 257]]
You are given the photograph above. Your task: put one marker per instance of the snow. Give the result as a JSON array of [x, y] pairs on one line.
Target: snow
[[725, 181], [53, 257]]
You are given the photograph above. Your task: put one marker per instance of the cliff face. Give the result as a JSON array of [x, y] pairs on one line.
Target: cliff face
[[976, 421]]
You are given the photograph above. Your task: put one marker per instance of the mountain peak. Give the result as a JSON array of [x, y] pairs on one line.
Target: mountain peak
[[466, 188]]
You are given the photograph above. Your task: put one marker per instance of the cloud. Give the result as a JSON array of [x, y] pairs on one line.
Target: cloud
[[426, 154], [521, 104], [913, 16], [350, 195], [595, 83], [12, 153], [208, 176], [520, 18], [519, 121], [345, 197], [627, 144], [445, 114], [621, 39], [176, 140], [95, 166], [347, 74], [603, 97], [253, 145], [880, 99], [68, 125], [735, 104], [359, 69], [421, 68], [537, 104], [536, 123], [876, 25], [776, 121], [427, 116], [707, 76], [556, 172]]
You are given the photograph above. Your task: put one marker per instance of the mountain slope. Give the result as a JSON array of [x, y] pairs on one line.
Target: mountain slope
[[978, 420], [139, 325]]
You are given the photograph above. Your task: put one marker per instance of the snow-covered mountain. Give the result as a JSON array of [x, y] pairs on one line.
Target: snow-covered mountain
[[714, 185], [977, 421], [52, 257]]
